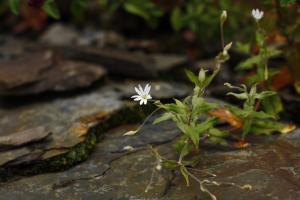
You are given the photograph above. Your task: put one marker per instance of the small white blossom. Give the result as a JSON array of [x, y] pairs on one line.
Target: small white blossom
[[257, 14], [142, 94], [158, 167]]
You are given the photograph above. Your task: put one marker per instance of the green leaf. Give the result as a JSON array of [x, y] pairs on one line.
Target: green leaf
[[262, 115], [164, 117], [176, 19], [185, 174], [145, 9], [272, 105], [207, 124], [170, 164], [218, 133], [14, 6], [193, 78], [243, 48], [185, 150], [170, 107], [192, 162], [249, 63], [218, 140], [243, 95], [51, 9], [265, 94], [190, 131], [266, 127], [247, 126]]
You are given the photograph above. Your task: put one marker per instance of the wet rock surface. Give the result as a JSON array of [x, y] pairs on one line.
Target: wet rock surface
[[122, 63], [35, 130], [55, 132], [37, 72], [271, 166], [61, 117]]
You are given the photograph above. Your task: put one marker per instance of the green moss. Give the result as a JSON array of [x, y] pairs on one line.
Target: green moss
[[80, 152]]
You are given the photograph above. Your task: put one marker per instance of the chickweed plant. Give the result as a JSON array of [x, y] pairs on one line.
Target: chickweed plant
[[263, 76], [255, 122], [192, 116]]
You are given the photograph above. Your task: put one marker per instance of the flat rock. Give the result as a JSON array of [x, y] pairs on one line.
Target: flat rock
[[271, 167], [127, 64], [117, 62], [37, 72], [68, 119], [35, 131]]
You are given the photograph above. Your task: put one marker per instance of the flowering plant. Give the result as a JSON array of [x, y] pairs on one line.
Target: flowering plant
[[193, 115]]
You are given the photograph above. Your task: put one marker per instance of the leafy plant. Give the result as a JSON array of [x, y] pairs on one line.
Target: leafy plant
[[193, 116], [255, 122], [259, 61], [190, 116], [196, 16], [145, 9]]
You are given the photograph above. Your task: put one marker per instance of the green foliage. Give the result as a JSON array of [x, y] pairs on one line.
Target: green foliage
[[286, 2], [190, 116], [14, 6], [255, 122], [196, 16], [77, 8], [272, 105], [145, 9], [256, 60], [51, 9]]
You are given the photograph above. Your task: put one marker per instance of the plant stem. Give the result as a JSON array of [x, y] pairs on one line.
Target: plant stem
[[222, 35], [147, 118]]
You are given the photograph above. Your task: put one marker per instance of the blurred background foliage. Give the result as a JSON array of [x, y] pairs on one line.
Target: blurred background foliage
[[182, 23]]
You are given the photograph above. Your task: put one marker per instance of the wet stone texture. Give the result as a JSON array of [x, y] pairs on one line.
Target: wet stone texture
[[48, 71], [35, 131], [271, 166], [57, 130]]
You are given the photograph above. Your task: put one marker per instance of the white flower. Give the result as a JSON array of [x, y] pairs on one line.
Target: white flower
[[158, 167], [142, 94], [257, 14]]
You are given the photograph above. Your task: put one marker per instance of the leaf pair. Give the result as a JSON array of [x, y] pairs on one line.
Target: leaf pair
[[49, 7]]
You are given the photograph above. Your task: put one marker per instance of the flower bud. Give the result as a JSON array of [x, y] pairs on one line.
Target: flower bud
[[158, 167], [223, 16]]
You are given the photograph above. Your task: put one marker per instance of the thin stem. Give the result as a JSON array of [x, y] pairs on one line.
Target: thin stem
[[202, 171], [181, 154], [222, 35], [148, 187], [147, 118]]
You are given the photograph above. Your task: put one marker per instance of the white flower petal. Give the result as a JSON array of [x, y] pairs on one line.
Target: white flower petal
[[137, 99], [135, 96], [257, 14], [138, 91], [145, 101], [147, 89], [141, 90]]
